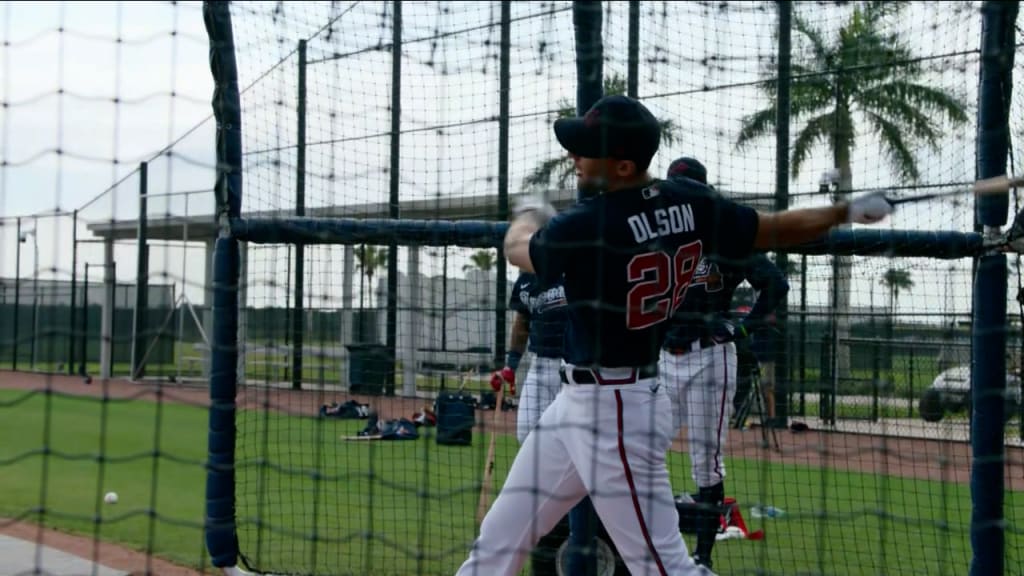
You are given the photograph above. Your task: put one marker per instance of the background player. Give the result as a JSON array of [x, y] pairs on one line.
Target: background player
[[538, 328], [698, 361], [626, 256]]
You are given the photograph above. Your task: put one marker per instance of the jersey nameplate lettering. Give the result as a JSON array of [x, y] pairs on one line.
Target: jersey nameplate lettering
[[672, 220], [544, 301]]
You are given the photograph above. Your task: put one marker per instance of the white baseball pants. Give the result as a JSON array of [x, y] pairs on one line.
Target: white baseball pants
[[701, 384], [608, 441], [537, 393]]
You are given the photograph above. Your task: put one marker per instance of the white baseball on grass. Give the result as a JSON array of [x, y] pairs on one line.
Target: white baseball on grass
[[110, 498]]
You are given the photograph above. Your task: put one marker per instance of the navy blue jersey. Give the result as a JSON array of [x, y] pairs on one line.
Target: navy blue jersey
[[708, 299], [544, 306], [627, 258]]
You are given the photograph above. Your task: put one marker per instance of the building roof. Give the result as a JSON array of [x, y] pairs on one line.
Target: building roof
[[461, 208]]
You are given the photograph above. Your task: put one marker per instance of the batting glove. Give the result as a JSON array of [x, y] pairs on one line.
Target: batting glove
[[723, 331], [539, 209], [868, 209], [503, 376]]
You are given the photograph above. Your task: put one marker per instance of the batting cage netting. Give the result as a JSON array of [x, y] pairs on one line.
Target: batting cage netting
[[341, 302], [261, 335]]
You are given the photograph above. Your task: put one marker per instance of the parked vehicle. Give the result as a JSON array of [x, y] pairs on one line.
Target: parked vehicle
[[950, 392]]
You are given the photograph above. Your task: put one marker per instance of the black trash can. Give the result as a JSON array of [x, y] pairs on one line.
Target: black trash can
[[370, 369]]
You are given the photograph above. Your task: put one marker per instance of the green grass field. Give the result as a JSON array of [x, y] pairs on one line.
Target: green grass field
[[408, 507]]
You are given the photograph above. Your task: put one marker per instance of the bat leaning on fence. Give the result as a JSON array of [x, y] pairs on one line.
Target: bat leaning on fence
[[487, 485]]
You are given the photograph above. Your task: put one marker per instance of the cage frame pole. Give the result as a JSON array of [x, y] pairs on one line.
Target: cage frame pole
[[394, 184], [298, 315], [504, 105]]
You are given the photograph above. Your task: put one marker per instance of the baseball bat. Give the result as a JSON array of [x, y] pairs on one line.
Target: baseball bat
[[987, 186], [485, 487]]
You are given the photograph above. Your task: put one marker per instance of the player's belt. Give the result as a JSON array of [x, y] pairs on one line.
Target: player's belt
[[694, 346], [600, 377]]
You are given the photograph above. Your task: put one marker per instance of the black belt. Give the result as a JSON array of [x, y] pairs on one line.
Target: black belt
[[588, 376], [691, 346]]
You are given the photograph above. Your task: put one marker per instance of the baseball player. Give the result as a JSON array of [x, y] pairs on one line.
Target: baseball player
[[698, 361], [540, 322], [539, 328], [626, 256]]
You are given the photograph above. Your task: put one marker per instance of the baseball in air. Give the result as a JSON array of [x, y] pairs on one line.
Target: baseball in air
[[110, 498]]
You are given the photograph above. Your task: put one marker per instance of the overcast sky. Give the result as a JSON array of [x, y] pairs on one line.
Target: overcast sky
[[685, 48]]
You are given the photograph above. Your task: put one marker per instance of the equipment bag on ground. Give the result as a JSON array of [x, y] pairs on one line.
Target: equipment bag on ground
[[456, 416]]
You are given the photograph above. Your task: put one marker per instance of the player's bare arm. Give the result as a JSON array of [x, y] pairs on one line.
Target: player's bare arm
[[785, 229], [520, 333]]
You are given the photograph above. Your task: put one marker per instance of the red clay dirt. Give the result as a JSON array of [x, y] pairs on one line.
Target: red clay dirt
[[938, 459], [111, 555]]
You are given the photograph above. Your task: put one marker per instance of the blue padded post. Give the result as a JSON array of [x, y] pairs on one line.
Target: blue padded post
[[988, 392], [227, 108], [988, 360], [221, 540], [586, 20], [221, 536]]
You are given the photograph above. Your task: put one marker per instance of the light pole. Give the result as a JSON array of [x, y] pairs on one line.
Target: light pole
[[35, 290]]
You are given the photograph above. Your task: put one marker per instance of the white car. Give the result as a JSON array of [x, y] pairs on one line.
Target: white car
[[951, 392]]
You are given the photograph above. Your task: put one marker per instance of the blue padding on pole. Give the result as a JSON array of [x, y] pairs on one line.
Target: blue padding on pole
[[468, 234], [227, 107], [489, 234], [903, 243], [994, 91], [988, 393], [586, 20], [221, 538]]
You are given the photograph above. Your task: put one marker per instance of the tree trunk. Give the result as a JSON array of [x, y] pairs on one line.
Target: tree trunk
[[842, 268]]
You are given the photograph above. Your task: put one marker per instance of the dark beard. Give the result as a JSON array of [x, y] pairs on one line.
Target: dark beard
[[591, 188]]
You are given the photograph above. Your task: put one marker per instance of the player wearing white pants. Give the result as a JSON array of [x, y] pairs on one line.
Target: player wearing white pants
[[626, 255], [538, 328], [698, 362], [606, 440], [541, 386], [701, 383]]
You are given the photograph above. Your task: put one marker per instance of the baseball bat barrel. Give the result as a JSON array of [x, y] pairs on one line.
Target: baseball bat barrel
[[997, 185], [984, 187]]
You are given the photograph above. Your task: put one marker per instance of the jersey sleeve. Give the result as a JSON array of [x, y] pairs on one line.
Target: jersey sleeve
[[770, 284], [552, 246], [735, 228], [515, 301]]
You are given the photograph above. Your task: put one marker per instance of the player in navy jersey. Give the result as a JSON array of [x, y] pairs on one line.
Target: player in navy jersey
[[698, 361], [538, 328], [626, 256]]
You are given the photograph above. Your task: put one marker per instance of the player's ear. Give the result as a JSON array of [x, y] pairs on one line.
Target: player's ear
[[625, 168]]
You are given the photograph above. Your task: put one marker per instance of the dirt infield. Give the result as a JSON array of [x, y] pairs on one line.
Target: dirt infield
[[111, 555]]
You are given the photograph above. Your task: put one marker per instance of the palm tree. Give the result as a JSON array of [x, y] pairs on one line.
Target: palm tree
[[896, 280], [560, 169], [863, 80], [370, 258], [482, 260]]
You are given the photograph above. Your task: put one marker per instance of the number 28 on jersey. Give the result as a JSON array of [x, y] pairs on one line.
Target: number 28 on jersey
[[658, 283]]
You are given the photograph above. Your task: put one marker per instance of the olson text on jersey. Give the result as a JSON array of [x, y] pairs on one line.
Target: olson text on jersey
[[671, 220]]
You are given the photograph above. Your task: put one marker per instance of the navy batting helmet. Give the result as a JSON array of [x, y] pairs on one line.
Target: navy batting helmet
[[688, 168]]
